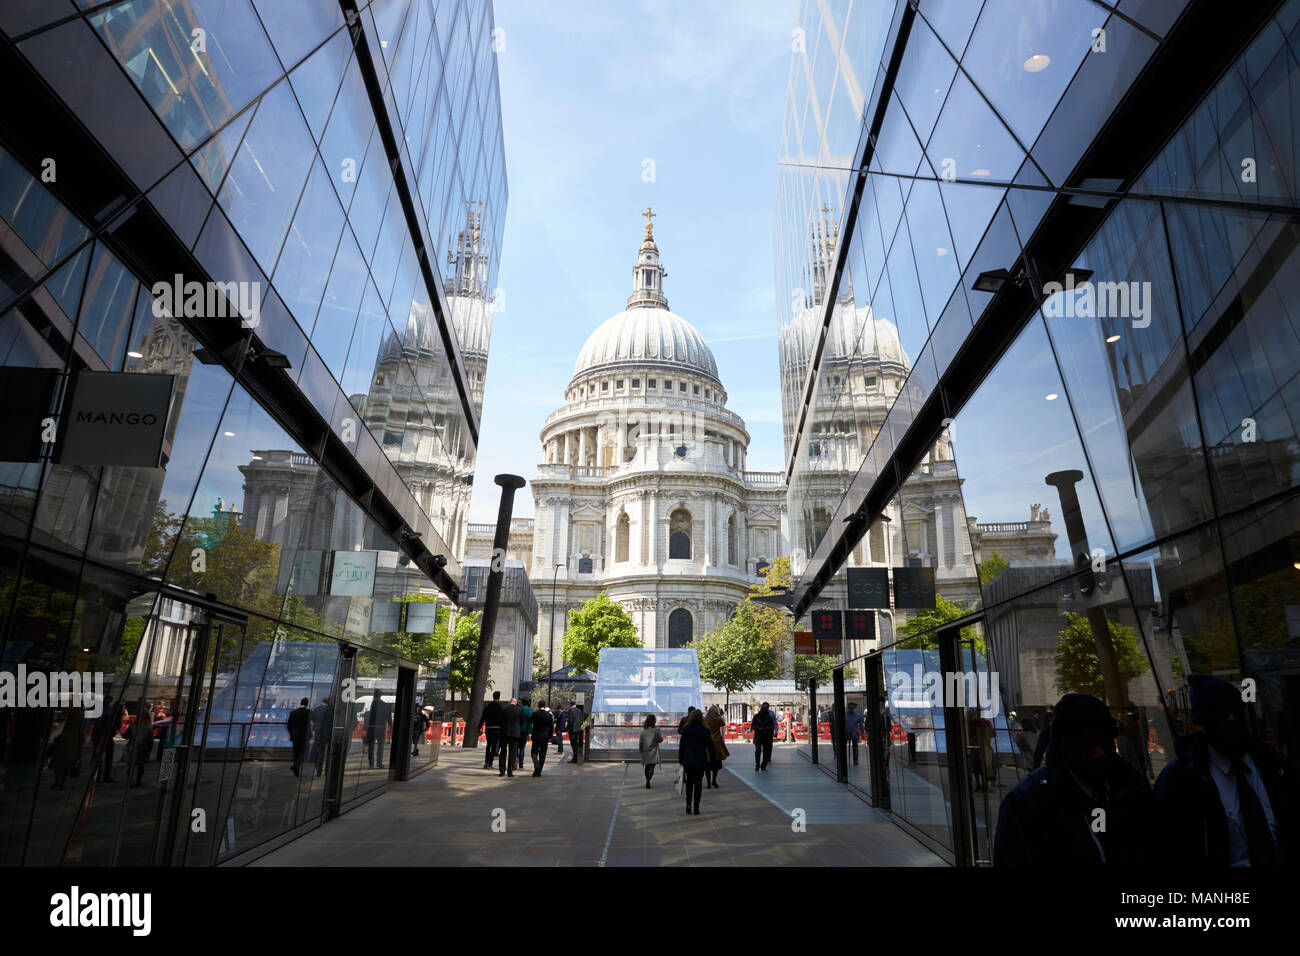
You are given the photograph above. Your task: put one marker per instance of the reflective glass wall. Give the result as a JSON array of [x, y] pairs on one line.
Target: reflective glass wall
[[216, 590], [1141, 419]]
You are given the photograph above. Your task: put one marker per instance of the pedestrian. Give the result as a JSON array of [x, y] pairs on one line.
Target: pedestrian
[[716, 724], [322, 721], [527, 728], [419, 726], [576, 719], [764, 727], [141, 741], [101, 737], [561, 725], [543, 725], [491, 722], [65, 760], [299, 734], [651, 738], [1227, 798], [681, 724], [512, 728], [853, 729], [1050, 819], [377, 729], [694, 754]]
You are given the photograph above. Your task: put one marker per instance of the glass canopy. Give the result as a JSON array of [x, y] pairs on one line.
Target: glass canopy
[[631, 684]]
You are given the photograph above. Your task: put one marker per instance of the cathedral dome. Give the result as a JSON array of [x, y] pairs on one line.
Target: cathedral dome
[[644, 336]]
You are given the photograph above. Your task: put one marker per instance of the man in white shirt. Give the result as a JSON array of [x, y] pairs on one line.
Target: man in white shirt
[[1227, 797]]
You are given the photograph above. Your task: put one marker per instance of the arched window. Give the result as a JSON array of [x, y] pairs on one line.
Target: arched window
[[681, 628], [679, 534], [733, 556], [622, 532]]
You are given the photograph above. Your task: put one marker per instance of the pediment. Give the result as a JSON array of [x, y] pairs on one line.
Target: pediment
[[763, 515], [587, 513]]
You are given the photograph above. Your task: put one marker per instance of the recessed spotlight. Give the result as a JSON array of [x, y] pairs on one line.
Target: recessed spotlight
[[941, 251], [135, 355], [980, 172], [1112, 338], [1053, 397], [229, 434], [1037, 63]]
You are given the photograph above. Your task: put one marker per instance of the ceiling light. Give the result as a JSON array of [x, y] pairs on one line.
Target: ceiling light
[[1296, 565], [135, 355], [257, 458], [936, 89], [980, 172], [229, 434], [1052, 397], [1112, 338], [941, 251], [1037, 63]]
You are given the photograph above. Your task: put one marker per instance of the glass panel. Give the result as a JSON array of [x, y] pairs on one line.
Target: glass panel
[[297, 27], [262, 188], [195, 83]]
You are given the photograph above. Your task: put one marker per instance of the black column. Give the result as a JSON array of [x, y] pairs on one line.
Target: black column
[[483, 658], [838, 738], [1064, 482]]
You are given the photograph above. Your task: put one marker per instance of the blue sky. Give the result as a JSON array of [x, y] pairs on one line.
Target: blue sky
[[588, 92]]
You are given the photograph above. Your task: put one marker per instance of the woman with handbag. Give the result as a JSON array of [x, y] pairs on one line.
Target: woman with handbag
[[694, 753], [651, 738], [716, 725]]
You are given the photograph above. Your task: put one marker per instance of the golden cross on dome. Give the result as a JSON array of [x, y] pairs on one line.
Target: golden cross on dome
[[648, 224]]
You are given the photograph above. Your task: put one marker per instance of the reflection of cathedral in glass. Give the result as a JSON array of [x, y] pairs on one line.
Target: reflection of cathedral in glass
[[864, 369]]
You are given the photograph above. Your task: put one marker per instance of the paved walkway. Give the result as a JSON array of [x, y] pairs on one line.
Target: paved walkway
[[600, 814]]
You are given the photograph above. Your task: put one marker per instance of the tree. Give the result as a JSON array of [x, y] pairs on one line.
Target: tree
[[464, 649], [422, 648], [539, 664], [597, 624], [991, 567], [818, 667], [773, 623], [921, 632], [736, 654], [1077, 666]]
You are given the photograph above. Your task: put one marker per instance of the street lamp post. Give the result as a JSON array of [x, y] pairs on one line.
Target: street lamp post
[[550, 661]]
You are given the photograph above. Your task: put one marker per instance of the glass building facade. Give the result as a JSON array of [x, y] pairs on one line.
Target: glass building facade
[[322, 184], [1037, 266]]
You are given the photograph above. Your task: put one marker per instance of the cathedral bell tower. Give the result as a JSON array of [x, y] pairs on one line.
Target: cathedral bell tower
[[648, 275]]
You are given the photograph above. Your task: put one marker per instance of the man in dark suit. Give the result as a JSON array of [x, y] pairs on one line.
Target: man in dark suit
[[543, 725], [512, 730], [491, 723], [299, 735], [764, 727], [576, 718], [1087, 807], [322, 723], [1227, 799], [377, 729]]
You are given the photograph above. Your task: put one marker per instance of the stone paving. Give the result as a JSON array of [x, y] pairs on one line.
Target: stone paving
[[600, 814]]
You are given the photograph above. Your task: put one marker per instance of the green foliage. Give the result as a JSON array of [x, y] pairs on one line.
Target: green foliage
[[736, 654], [921, 632], [424, 649], [539, 663], [597, 624], [990, 568], [773, 623], [132, 631], [818, 667], [464, 649], [1078, 668]]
